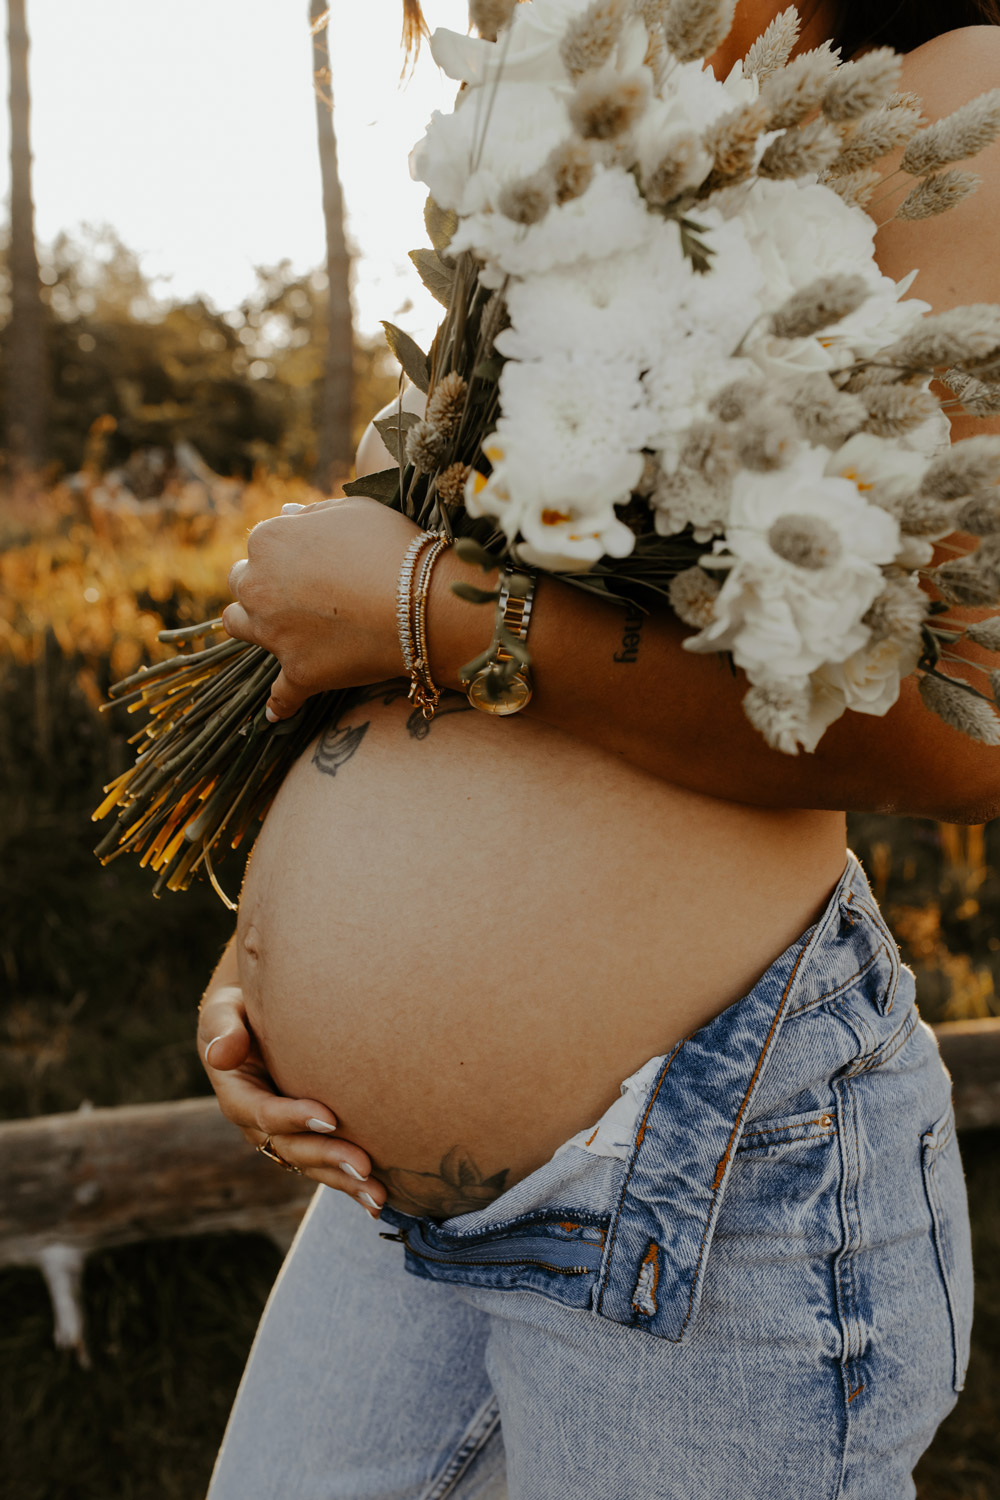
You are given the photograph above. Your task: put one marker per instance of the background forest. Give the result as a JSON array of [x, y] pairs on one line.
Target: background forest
[[143, 435]]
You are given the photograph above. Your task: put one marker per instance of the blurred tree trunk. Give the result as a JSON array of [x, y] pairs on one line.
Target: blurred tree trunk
[[27, 383], [335, 453]]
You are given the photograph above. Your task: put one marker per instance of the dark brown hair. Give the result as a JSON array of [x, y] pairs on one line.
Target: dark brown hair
[[903, 24], [906, 24]]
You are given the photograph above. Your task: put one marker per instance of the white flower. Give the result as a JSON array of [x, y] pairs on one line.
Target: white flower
[[610, 218], [868, 682], [496, 135], [868, 460], [778, 619], [528, 51]]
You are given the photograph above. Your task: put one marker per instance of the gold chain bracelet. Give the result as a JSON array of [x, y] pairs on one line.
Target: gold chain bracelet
[[411, 617]]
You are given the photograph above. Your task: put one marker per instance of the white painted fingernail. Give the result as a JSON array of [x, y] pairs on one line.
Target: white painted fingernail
[[367, 1199], [270, 716], [211, 1045], [291, 508], [321, 1125], [345, 1166]]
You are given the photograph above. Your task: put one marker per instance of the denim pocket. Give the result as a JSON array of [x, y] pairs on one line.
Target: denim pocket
[[944, 1185]]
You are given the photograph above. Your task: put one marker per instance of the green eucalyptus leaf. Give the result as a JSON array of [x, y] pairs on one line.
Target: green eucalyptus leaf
[[382, 486], [477, 664], [434, 274], [469, 592], [469, 550], [410, 355], [389, 429], [490, 369], [440, 223]]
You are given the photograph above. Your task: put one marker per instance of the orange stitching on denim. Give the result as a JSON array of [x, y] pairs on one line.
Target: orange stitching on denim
[[838, 988], [724, 1158], [565, 1224], [613, 1226], [592, 1135], [856, 1392]]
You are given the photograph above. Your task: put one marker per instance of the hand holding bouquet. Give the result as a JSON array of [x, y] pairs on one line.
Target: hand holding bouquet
[[670, 371]]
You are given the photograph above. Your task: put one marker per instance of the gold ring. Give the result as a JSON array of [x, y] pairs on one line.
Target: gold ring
[[267, 1149]]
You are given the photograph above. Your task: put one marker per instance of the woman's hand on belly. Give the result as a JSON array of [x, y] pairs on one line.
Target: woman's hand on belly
[[300, 1130]]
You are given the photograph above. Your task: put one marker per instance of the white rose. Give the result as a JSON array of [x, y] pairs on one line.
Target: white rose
[[465, 166], [867, 682], [781, 620], [528, 51]]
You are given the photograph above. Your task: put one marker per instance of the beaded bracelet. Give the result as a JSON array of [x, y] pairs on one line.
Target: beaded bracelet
[[411, 617]]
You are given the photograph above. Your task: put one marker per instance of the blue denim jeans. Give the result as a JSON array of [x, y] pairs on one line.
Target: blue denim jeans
[[769, 1299]]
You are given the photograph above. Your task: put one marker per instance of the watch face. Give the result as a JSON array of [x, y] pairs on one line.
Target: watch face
[[512, 697]]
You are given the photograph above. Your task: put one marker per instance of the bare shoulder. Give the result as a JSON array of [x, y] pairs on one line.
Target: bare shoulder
[[955, 253]]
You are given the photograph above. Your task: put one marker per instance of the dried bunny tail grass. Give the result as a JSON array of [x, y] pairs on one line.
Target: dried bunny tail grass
[[590, 39], [692, 597], [970, 465], [491, 16], [425, 447], [451, 484], [804, 148], [826, 417], [694, 28], [527, 201], [653, 12], [607, 104], [571, 167], [823, 302], [863, 85], [874, 136], [896, 409], [920, 515], [976, 397], [732, 143], [797, 90], [980, 516], [446, 404], [806, 541], [773, 47], [780, 711], [985, 633], [935, 195], [732, 401], [679, 169], [855, 188], [964, 336], [766, 437], [960, 707], [961, 134], [899, 611], [970, 581]]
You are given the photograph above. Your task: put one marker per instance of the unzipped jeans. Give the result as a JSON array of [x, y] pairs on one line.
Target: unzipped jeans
[[768, 1299]]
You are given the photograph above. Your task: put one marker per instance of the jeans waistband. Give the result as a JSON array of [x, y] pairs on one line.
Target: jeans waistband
[[642, 1260]]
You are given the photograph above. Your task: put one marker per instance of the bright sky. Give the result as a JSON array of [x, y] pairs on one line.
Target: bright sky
[[189, 126]]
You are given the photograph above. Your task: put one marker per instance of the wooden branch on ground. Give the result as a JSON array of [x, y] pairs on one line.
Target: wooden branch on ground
[[73, 1183]]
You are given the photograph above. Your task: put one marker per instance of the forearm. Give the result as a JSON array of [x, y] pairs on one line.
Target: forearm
[[679, 716]]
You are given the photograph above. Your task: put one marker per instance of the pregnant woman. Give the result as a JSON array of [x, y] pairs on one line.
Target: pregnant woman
[[744, 1272]]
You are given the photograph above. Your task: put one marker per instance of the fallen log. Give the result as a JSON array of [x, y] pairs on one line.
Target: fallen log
[[93, 1179]]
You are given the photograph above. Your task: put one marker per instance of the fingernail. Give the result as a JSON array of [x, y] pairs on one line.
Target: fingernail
[[291, 508], [367, 1199], [321, 1125], [270, 716], [211, 1045], [345, 1166]]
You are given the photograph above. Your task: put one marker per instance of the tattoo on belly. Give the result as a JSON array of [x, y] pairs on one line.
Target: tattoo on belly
[[339, 743], [634, 621], [458, 1188]]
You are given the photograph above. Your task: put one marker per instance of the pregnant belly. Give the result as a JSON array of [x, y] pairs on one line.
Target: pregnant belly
[[462, 936]]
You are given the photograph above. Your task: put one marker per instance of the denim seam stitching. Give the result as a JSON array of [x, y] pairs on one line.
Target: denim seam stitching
[[887, 1050], [477, 1435], [837, 990], [749, 1135], [724, 1159]]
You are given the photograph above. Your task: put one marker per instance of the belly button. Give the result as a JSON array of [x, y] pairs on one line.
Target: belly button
[[252, 943]]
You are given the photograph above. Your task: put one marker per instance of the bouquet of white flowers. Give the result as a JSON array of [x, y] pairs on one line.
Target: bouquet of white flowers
[[670, 370]]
